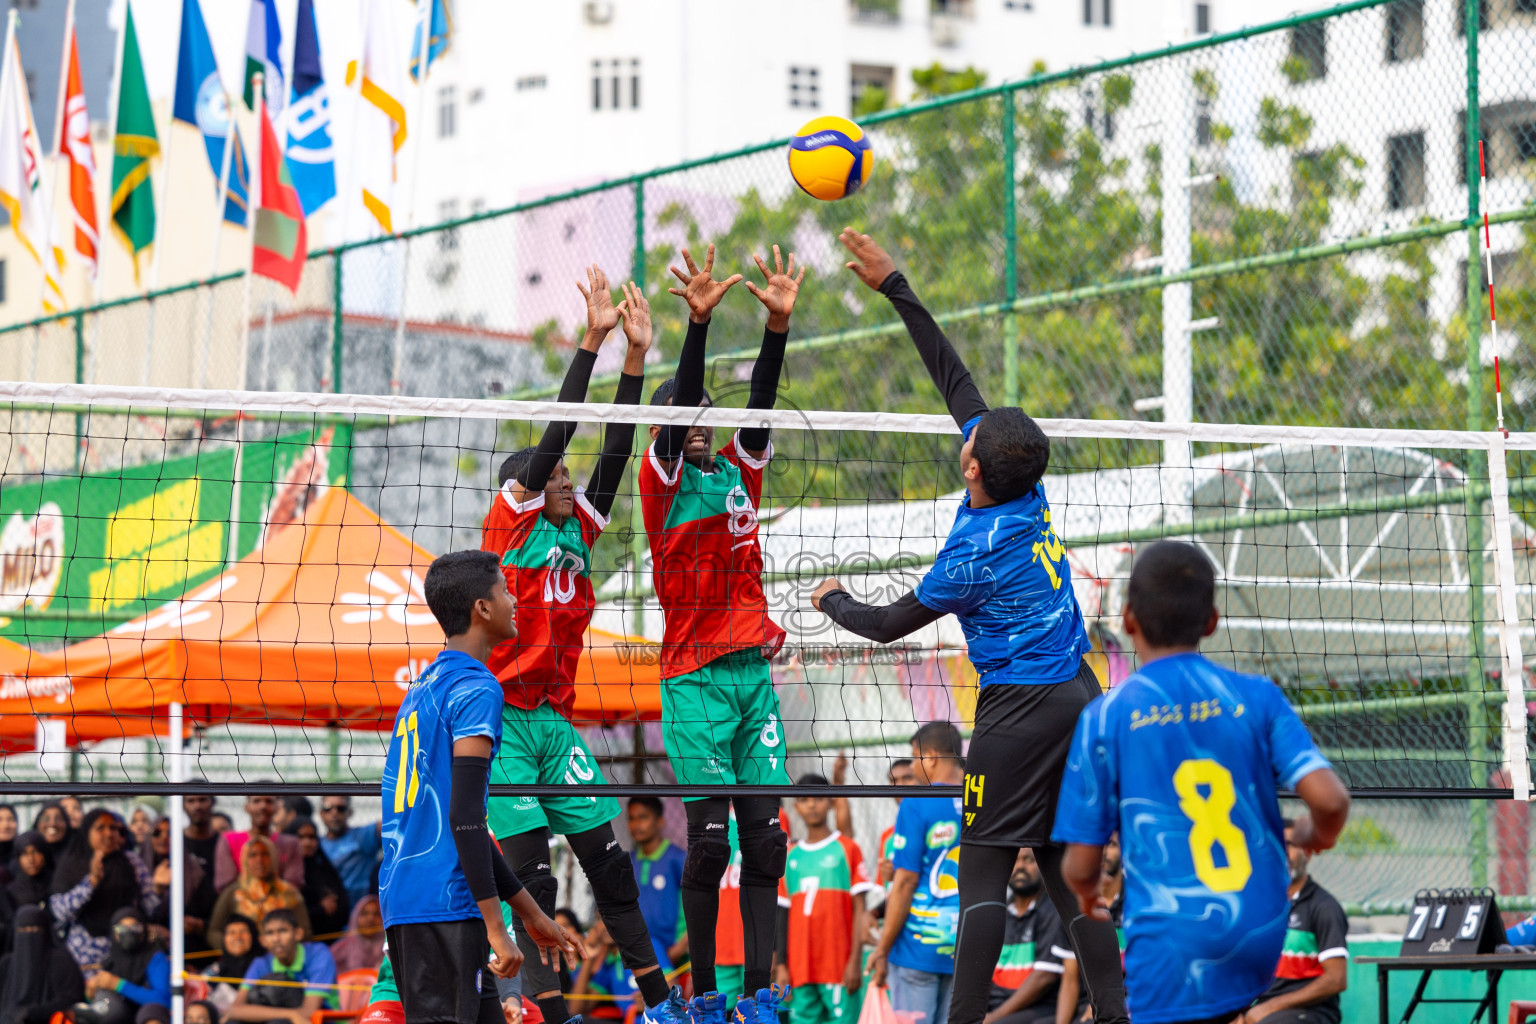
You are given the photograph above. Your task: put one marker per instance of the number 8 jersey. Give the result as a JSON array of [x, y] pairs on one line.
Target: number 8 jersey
[[549, 571], [1184, 758], [420, 880]]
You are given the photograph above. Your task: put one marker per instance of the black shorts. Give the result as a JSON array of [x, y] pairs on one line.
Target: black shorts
[[1016, 759], [440, 969]]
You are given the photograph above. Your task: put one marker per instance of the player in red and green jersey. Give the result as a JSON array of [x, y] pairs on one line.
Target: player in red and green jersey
[[543, 529], [720, 714], [823, 888]]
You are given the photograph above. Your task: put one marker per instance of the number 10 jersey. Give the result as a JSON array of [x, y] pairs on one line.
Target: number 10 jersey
[[1184, 758]]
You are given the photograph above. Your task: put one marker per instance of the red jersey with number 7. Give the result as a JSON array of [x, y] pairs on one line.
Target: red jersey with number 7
[[549, 571], [706, 560], [819, 884]]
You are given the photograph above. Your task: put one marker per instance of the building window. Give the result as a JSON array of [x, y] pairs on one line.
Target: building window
[[1203, 134], [805, 87], [597, 85], [2, 282], [1405, 30], [1521, 6], [1461, 16], [871, 87], [475, 96], [1018, 5], [1309, 51], [1508, 131], [611, 81], [531, 82], [1101, 123], [448, 210], [1202, 19], [634, 84], [447, 112], [1405, 171], [476, 207], [1098, 12]]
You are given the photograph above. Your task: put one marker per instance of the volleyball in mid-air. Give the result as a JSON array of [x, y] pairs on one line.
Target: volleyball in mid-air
[[830, 158]]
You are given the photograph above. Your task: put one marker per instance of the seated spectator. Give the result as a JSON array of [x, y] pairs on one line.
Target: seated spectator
[[74, 811], [237, 951], [289, 959], [198, 898], [95, 879], [141, 822], [354, 851], [10, 827], [1314, 965], [37, 979], [363, 944], [135, 974], [201, 1012], [228, 852], [290, 811], [153, 1013], [31, 871], [53, 823], [603, 988], [1035, 979], [325, 897], [258, 891], [221, 822], [565, 917]]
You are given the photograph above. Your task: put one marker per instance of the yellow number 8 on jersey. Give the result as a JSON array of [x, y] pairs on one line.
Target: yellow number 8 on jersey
[[1212, 818]]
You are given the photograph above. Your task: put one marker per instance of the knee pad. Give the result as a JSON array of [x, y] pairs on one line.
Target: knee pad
[[708, 859], [611, 875], [764, 850]]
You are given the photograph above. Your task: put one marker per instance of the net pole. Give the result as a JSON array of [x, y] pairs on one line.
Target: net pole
[[1010, 253], [1178, 384], [636, 517], [1516, 757], [178, 871], [230, 139]]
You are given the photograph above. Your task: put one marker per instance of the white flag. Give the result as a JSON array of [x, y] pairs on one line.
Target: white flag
[[22, 191], [380, 125]]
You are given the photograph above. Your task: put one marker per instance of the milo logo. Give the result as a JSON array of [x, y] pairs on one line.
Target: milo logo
[[31, 558]]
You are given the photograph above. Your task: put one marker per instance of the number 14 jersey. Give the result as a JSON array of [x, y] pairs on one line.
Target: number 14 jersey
[[1184, 758]]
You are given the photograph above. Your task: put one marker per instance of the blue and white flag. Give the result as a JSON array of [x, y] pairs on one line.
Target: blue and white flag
[[311, 156], [201, 102], [439, 32], [263, 49]]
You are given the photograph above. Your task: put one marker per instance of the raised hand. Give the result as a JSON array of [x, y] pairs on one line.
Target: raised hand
[[602, 315], [701, 291], [779, 290], [871, 263], [637, 318]]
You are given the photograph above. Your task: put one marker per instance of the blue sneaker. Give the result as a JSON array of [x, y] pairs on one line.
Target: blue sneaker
[[708, 1008], [674, 1010], [764, 1009]]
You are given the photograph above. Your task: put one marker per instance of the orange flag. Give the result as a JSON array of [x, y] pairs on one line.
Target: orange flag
[[74, 145]]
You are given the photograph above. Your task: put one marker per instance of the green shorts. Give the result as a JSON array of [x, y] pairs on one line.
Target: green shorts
[[541, 747], [822, 1004], [721, 724]]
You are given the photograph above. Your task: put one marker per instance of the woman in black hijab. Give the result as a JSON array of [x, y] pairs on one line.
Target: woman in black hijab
[[325, 896], [96, 878], [238, 949], [31, 871], [135, 974], [53, 823], [37, 979], [10, 827]]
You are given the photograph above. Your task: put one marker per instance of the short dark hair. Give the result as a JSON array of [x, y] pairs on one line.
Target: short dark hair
[[454, 583], [901, 762], [650, 803], [1286, 823], [515, 467], [940, 738], [667, 388], [282, 914], [570, 913], [812, 779], [1013, 452], [1172, 593], [300, 806]]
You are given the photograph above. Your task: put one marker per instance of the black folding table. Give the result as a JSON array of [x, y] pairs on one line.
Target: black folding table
[[1495, 964]]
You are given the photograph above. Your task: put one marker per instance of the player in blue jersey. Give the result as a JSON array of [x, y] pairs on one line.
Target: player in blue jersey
[[1184, 759], [443, 879], [1003, 573]]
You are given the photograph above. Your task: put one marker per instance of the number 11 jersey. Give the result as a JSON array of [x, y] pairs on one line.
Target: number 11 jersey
[[1184, 758]]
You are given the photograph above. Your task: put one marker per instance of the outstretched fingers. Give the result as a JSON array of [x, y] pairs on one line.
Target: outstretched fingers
[[693, 268], [778, 261], [767, 275], [680, 275], [709, 259]]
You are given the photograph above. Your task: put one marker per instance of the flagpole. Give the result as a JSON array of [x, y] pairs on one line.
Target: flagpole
[[253, 204], [160, 226], [218, 235], [103, 198], [424, 27]]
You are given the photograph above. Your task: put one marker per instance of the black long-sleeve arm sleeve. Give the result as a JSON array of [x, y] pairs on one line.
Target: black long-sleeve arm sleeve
[[618, 442], [944, 364], [689, 390], [485, 869], [551, 447], [881, 623], [765, 386]]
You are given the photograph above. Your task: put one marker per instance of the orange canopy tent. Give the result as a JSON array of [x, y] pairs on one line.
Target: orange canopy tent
[[324, 624]]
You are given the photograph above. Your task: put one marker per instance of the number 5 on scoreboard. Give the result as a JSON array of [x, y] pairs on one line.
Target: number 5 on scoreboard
[[406, 733], [1211, 815]]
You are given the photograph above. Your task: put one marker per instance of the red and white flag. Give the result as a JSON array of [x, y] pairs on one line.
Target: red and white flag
[[74, 145]]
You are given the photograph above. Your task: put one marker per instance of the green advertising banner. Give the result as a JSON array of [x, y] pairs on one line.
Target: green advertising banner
[[81, 554]]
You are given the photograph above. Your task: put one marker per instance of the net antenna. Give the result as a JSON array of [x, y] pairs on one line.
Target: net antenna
[[1493, 318]]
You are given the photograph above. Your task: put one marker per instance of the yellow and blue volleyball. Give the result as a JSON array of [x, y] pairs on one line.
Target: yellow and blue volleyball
[[830, 158]]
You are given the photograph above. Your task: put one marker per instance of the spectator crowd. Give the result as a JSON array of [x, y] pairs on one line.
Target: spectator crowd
[[277, 912]]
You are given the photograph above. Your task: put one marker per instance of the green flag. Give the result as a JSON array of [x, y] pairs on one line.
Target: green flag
[[133, 196]]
